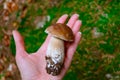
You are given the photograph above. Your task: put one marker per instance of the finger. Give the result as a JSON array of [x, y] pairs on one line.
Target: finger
[[19, 42], [72, 20], [77, 26], [75, 30], [62, 19], [71, 51]]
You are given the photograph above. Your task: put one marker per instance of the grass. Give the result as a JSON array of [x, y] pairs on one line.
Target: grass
[[99, 50]]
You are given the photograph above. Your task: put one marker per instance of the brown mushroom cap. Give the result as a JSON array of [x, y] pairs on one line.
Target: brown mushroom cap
[[60, 31]]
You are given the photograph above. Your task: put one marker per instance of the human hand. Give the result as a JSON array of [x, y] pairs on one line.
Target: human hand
[[32, 66]]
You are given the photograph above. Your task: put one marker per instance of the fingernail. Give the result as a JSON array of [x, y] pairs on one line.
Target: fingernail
[[13, 31], [80, 33], [79, 21], [65, 15], [76, 15]]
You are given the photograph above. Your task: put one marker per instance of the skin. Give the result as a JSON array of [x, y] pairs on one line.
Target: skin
[[32, 66]]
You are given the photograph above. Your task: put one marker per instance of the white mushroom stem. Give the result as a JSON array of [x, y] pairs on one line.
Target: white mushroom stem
[[55, 56]]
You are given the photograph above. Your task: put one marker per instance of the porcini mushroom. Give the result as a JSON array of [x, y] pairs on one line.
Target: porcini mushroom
[[55, 50]]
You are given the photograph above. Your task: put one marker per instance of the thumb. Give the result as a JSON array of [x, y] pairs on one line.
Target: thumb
[[19, 42]]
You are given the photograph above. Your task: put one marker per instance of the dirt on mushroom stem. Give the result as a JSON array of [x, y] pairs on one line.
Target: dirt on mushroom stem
[[55, 56], [55, 51]]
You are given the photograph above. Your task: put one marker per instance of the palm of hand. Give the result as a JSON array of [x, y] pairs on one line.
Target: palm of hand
[[32, 66]]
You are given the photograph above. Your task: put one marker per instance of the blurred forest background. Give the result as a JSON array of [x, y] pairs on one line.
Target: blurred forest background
[[98, 54]]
